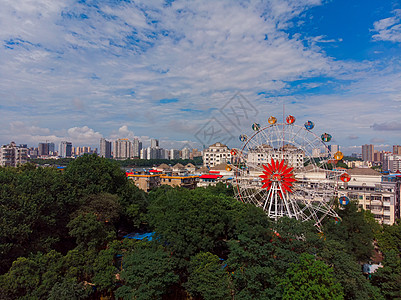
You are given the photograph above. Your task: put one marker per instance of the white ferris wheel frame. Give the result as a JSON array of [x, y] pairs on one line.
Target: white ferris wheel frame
[[311, 199]]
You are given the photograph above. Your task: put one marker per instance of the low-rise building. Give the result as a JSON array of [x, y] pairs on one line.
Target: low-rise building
[[190, 168], [145, 182], [189, 182], [392, 163], [149, 180], [12, 155], [263, 154], [374, 192], [216, 154], [209, 179], [179, 169]]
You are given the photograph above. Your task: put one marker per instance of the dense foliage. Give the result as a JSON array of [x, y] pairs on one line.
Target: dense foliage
[[61, 236]]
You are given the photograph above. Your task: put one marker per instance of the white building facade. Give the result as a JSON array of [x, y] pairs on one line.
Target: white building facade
[[12, 155], [216, 154]]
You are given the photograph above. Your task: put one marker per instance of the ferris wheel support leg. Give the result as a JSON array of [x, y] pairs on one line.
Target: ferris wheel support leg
[[285, 203], [275, 203], [267, 200], [271, 199]]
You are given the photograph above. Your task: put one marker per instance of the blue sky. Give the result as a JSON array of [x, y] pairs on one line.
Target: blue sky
[[195, 72]]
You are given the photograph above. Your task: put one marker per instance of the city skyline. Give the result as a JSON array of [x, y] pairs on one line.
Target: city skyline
[[172, 70]]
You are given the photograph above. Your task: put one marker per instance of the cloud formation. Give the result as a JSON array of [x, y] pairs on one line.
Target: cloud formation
[[387, 126], [162, 69], [388, 29]]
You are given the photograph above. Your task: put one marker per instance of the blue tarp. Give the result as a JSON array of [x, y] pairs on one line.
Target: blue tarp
[[140, 236]]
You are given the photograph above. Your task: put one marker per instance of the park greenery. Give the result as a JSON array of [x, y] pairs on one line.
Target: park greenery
[[62, 237]]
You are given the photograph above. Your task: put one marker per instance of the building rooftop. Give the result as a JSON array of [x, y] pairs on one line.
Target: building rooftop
[[208, 176], [219, 167], [203, 170], [218, 144], [363, 171], [164, 167]]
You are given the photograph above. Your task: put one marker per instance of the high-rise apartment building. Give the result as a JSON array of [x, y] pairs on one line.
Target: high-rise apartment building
[[185, 153], [367, 152], [195, 153], [164, 154], [45, 149], [144, 154], [152, 153], [154, 143], [65, 149], [13, 155], [397, 149], [122, 149], [52, 148], [105, 148], [174, 154], [136, 148], [333, 149]]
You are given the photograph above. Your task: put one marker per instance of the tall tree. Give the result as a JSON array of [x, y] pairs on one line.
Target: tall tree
[[310, 279], [355, 230], [89, 232], [147, 272], [348, 273], [388, 278], [389, 238], [192, 221], [35, 204], [91, 174], [208, 277]]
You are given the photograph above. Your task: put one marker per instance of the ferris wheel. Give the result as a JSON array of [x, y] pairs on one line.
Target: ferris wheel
[[285, 169]]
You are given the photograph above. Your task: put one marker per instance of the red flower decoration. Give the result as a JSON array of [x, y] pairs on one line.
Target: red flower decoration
[[280, 173]]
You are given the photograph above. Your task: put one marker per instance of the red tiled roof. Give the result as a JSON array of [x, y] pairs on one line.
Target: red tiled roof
[[207, 176]]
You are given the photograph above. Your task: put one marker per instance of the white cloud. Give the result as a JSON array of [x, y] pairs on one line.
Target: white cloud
[[31, 134], [84, 135], [123, 133], [388, 29]]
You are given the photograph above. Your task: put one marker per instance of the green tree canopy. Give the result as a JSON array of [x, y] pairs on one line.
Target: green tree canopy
[[190, 221], [388, 278], [91, 174], [310, 279], [35, 204], [389, 238], [207, 277], [355, 230], [147, 272], [347, 272], [89, 232]]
